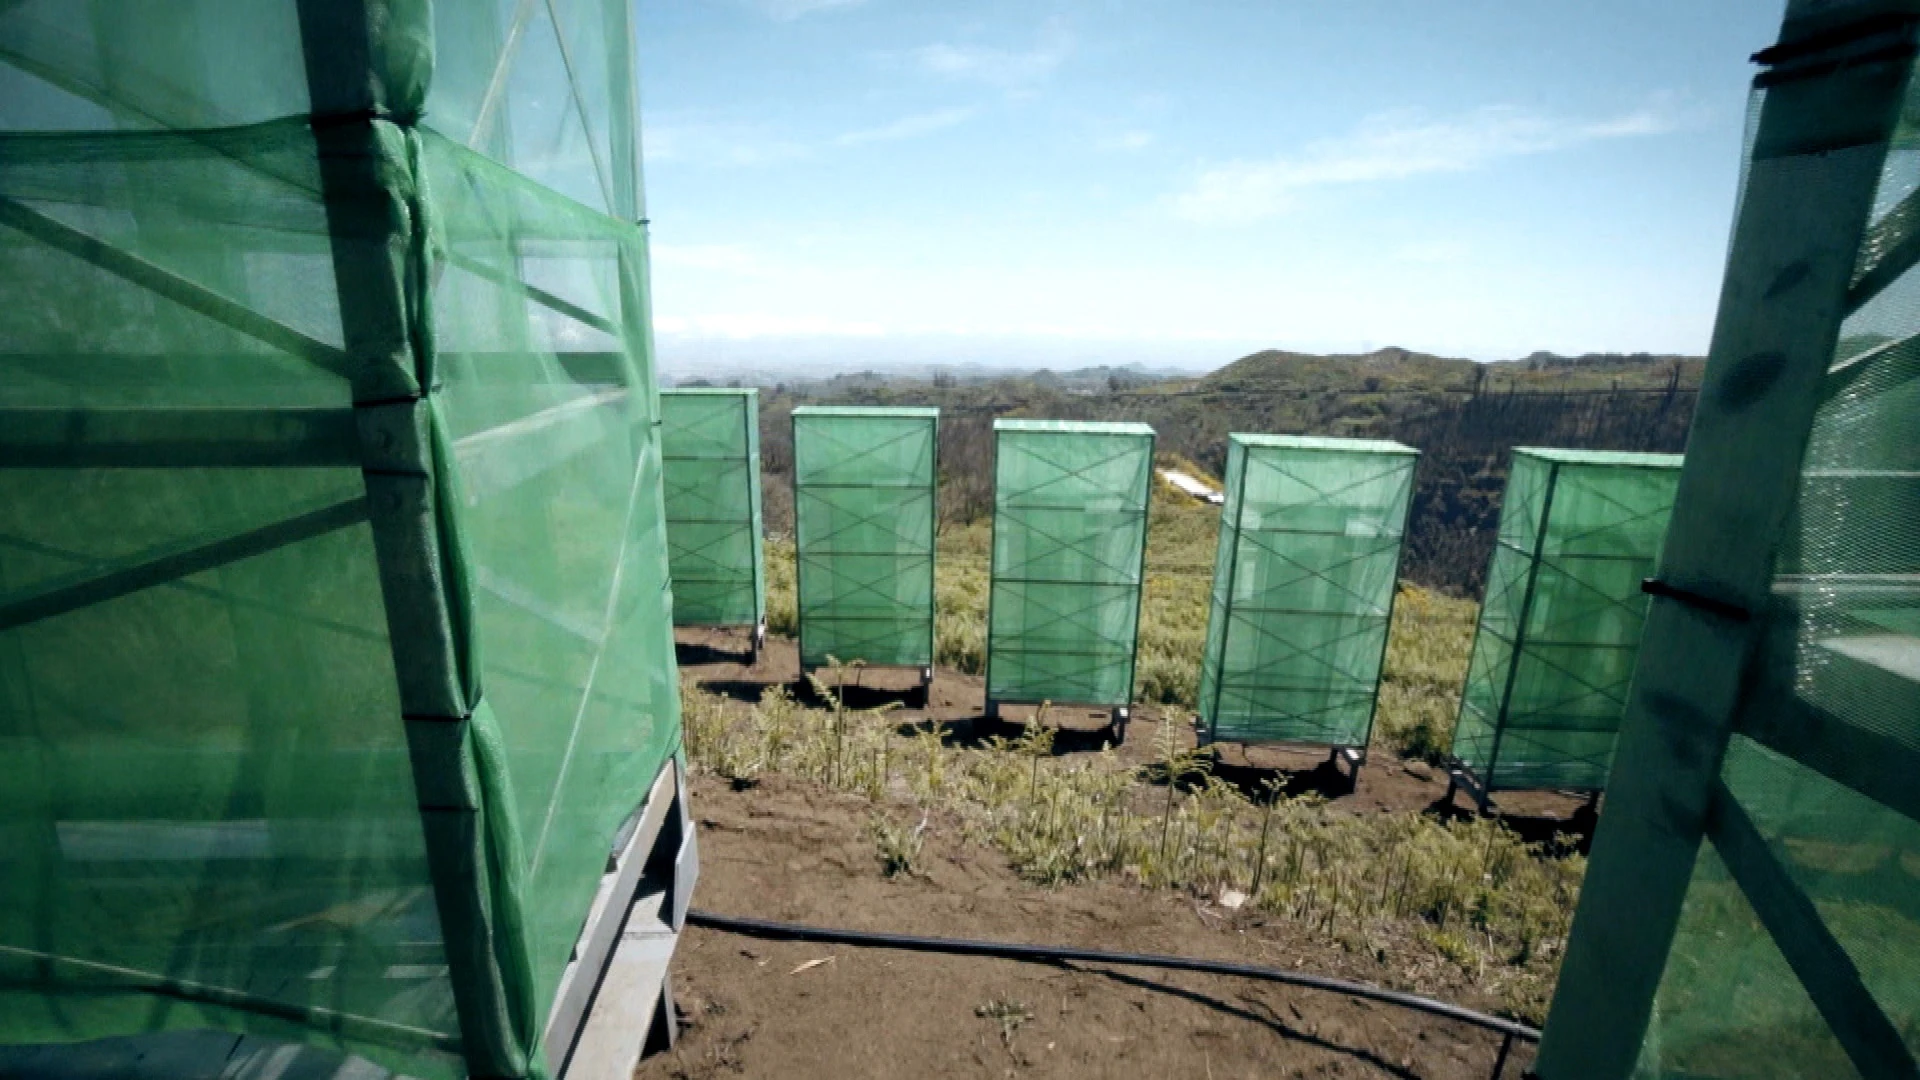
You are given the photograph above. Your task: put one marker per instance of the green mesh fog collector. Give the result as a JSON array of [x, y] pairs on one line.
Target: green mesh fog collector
[[1560, 627], [1069, 563], [1750, 907], [336, 671], [1303, 588], [710, 444], [864, 523]]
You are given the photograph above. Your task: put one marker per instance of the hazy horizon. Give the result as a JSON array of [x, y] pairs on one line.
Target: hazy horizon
[[777, 360]]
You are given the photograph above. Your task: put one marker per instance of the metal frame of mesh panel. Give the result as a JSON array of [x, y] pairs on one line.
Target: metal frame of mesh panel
[[337, 696], [1303, 588], [1560, 625], [710, 450], [1069, 562], [864, 523], [1750, 907]]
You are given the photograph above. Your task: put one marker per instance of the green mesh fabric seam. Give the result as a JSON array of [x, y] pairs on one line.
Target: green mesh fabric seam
[[474, 853]]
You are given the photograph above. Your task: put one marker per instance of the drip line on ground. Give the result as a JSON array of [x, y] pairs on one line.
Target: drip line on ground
[[1509, 1030]]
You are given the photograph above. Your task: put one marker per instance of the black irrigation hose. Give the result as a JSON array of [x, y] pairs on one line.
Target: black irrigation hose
[[780, 931]]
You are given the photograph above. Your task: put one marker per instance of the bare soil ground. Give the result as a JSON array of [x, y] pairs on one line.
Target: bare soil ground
[[789, 851]]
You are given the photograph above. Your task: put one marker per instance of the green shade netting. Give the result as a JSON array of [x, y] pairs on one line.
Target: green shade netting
[[1824, 868], [1560, 627], [334, 641], [558, 459], [544, 88], [863, 519], [1069, 551], [1303, 586], [205, 779], [710, 440]]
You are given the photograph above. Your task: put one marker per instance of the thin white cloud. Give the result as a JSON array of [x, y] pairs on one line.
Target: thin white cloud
[[1398, 145], [1007, 69], [789, 10], [1126, 142], [909, 127]]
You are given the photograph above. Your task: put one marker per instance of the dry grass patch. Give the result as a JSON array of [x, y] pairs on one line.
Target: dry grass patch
[[1469, 893]]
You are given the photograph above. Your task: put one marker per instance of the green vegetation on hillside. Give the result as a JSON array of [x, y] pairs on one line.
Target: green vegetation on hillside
[[1464, 417]]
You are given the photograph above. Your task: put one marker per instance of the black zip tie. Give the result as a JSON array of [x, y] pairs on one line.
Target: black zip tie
[[1700, 601], [323, 121], [1782, 75], [382, 402], [1885, 23]]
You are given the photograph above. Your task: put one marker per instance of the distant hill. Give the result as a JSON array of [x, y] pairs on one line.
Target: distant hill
[[1384, 368], [1605, 362], [1400, 369], [1465, 418]]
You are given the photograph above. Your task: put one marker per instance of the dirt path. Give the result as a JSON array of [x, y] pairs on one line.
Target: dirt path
[[788, 851]]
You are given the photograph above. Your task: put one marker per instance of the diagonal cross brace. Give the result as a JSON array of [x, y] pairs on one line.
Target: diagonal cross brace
[[163, 282]]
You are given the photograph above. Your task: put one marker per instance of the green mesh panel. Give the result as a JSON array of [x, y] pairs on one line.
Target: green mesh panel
[[1303, 588], [711, 443], [1069, 550], [334, 639], [559, 465], [1729, 1005], [1560, 627], [863, 520], [1823, 769]]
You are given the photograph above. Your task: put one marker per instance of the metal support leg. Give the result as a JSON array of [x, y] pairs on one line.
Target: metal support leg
[[664, 1030], [1500, 1062], [1460, 777], [1354, 757]]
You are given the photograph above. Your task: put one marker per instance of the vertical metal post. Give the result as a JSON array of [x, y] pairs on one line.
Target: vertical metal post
[[623, 101], [1500, 1059], [933, 557], [1393, 597], [750, 442], [1140, 583], [1833, 95], [1485, 794], [993, 569], [365, 90], [1233, 567], [799, 619]]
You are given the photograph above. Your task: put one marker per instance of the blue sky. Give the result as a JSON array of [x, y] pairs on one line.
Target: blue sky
[[850, 183]]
